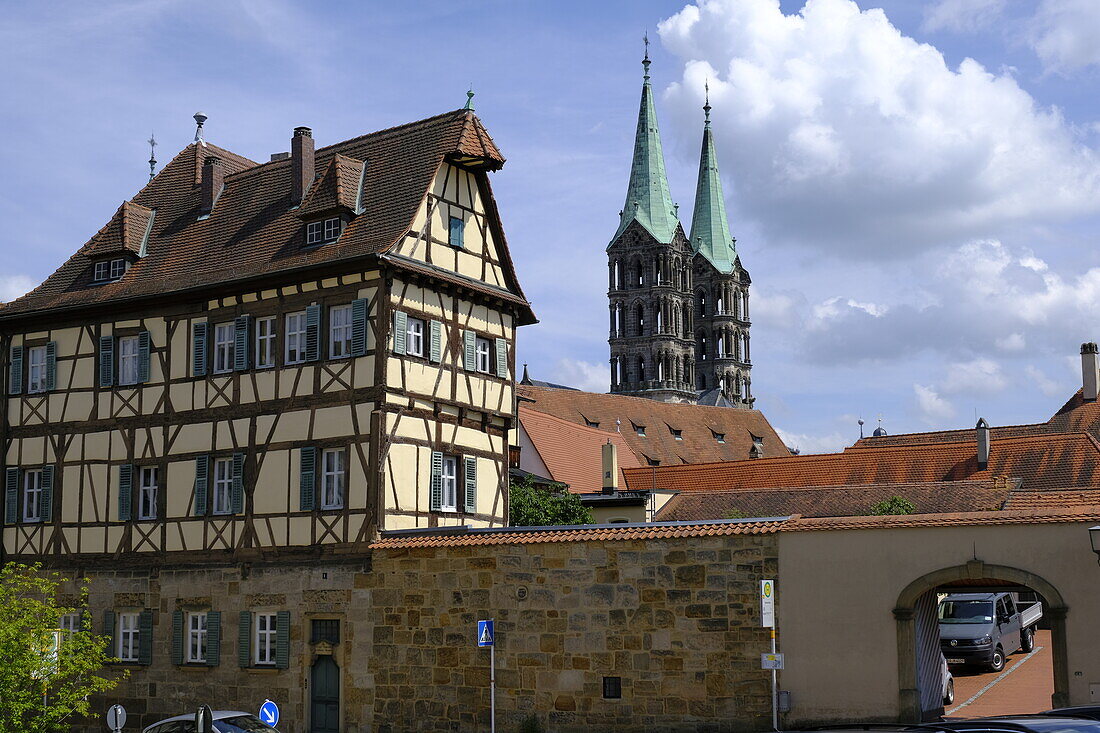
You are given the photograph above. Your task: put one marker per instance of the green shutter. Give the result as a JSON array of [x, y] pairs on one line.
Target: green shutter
[[202, 474], [308, 477], [145, 637], [11, 496], [236, 495], [400, 331], [177, 637], [241, 329], [213, 638], [282, 639], [15, 376], [47, 493], [469, 351], [109, 633], [435, 342], [198, 350], [143, 357], [502, 358], [244, 639], [125, 492], [313, 332], [457, 229], [470, 476], [51, 366], [359, 327], [106, 361], [436, 499]]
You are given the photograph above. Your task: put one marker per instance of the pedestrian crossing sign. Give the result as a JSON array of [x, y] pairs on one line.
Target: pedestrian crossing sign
[[485, 632]]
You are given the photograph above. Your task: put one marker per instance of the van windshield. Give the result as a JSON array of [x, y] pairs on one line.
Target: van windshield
[[966, 612]]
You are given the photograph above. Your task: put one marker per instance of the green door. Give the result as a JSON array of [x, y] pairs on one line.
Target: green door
[[325, 699]]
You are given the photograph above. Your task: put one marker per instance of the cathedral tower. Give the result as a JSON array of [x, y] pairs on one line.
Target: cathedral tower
[[650, 273]]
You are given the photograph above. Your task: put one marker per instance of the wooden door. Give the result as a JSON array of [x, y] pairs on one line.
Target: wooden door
[[325, 696]]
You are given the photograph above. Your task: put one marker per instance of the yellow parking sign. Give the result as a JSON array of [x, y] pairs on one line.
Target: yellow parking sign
[[767, 604]]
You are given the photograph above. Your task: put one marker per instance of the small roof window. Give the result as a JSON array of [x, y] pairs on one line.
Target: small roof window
[[639, 429], [720, 437], [109, 270], [323, 231], [591, 423], [652, 461], [677, 434]]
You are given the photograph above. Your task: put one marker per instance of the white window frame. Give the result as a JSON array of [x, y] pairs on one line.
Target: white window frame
[[414, 337], [118, 268], [295, 338], [265, 636], [102, 272], [128, 644], [313, 232], [332, 229], [36, 369], [129, 360], [196, 637], [333, 478], [69, 623], [448, 482], [223, 486], [265, 342], [225, 340], [32, 495], [339, 331], [482, 355], [148, 483]]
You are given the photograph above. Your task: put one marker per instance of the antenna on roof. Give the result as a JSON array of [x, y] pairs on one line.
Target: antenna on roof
[[860, 421], [470, 98], [152, 156], [199, 119]]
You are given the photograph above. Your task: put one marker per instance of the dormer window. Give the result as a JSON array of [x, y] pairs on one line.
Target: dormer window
[[108, 270], [320, 232], [677, 434]]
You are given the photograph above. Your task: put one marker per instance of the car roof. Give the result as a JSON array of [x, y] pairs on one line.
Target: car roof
[[1016, 721], [972, 596], [217, 715]]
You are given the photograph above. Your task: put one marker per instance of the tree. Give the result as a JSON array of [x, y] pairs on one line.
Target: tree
[[893, 505], [47, 674], [734, 513], [533, 506]]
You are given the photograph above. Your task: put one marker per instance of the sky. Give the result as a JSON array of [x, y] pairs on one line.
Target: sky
[[914, 187]]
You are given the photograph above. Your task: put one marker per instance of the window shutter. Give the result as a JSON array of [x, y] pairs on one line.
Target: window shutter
[[313, 332], [359, 327], [47, 493], [435, 347], [308, 478], [469, 354], [213, 638], [400, 331], [109, 632], [145, 637], [282, 639], [198, 350], [15, 377], [244, 639], [236, 495], [177, 637], [470, 476], [457, 228], [51, 366], [502, 358], [202, 471], [11, 496], [241, 330], [125, 491], [106, 361], [143, 357], [436, 502]]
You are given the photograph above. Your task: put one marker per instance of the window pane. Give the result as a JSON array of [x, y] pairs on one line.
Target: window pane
[[332, 229], [224, 343], [265, 342], [295, 338], [128, 360], [313, 232], [450, 483], [456, 231], [414, 337], [36, 369], [339, 331]]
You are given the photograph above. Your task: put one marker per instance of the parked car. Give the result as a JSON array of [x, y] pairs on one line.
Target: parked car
[[1020, 724], [948, 682], [1077, 711], [984, 628], [225, 721]]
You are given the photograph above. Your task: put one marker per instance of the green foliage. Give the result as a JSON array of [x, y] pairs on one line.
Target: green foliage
[[735, 513], [532, 506], [893, 505], [29, 616]]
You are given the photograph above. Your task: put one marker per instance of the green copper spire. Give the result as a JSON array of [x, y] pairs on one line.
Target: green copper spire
[[710, 230], [470, 99], [647, 197]]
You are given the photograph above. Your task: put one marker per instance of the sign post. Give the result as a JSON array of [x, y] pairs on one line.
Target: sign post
[[486, 637], [116, 718], [771, 661]]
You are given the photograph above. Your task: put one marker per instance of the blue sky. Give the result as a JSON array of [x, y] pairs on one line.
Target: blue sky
[[913, 186]]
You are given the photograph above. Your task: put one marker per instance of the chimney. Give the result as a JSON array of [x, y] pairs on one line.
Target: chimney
[[213, 177], [1089, 377], [983, 444], [301, 164], [610, 468]]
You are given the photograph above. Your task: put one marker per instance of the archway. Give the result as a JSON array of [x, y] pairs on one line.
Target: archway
[[975, 573]]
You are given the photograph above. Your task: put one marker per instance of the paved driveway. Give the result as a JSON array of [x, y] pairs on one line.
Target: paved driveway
[[1024, 686]]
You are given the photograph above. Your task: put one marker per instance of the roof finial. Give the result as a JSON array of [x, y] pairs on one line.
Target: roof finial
[[199, 119], [152, 156], [645, 61], [470, 98], [706, 103]]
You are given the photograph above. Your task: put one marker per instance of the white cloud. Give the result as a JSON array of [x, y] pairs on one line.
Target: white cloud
[[962, 16], [12, 286], [1013, 342], [849, 136], [1045, 384], [581, 374], [1065, 34], [932, 408], [831, 443], [973, 377]]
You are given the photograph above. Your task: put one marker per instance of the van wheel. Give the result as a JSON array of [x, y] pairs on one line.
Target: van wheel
[[997, 663], [1027, 639], [949, 698]]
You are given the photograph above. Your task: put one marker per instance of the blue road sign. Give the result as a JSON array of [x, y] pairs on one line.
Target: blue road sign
[[485, 632], [269, 713]]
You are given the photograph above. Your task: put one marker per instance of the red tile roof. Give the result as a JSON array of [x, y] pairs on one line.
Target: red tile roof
[[125, 232], [336, 188], [959, 519], [1066, 498], [573, 454]]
